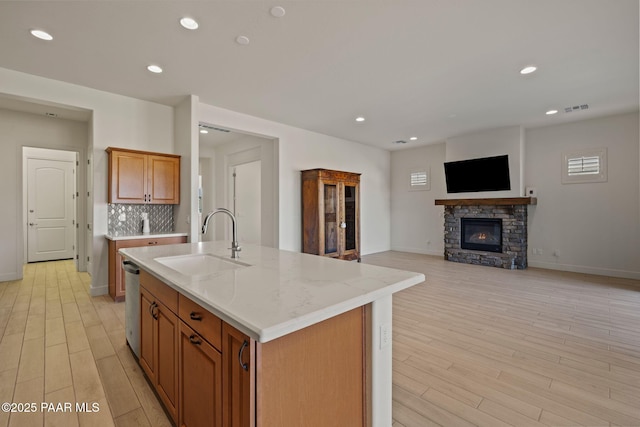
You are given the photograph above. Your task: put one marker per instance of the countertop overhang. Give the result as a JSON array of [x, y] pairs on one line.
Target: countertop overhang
[[280, 291]]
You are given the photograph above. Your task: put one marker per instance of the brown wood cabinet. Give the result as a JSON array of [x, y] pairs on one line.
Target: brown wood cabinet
[[140, 177], [311, 377], [238, 380], [159, 332], [331, 213], [200, 380], [116, 273]]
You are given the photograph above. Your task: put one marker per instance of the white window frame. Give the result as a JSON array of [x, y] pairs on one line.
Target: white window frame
[[586, 177], [423, 187]]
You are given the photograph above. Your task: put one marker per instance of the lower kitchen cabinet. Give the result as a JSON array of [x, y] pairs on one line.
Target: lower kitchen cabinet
[[116, 273], [159, 331], [208, 373], [238, 380], [200, 381]]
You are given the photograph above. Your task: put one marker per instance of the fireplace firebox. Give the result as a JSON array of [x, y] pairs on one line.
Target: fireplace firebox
[[481, 234]]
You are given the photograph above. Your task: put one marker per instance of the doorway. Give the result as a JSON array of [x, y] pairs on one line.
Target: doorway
[[245, 194], [50, 204]]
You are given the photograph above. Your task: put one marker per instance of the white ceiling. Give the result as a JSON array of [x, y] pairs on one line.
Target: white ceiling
[[425, 68]]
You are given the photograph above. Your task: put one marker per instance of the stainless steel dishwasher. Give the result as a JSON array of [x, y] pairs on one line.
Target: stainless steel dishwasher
[[132, 305]]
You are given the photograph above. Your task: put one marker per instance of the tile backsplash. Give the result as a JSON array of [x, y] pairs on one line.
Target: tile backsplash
[[125, 219]]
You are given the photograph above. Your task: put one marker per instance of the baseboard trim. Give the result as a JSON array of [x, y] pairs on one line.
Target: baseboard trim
[[9, 277], [98, 290], [586, 269]]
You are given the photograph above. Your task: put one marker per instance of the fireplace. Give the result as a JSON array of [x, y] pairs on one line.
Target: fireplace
[[510, 214], [481, 234]]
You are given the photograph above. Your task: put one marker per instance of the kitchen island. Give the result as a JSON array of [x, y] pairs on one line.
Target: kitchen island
[[295, 339]]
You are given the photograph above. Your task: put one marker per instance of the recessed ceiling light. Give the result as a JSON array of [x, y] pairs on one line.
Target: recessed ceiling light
[[551, 112], [360, 119], [154, 69], [413, 138], [528, 69], [278, 11], [204, 131], [243, 40], [189, 23], [41, 35]]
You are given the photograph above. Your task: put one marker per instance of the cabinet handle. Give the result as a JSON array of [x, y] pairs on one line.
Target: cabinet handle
[[152, 307], [245, 366], [153, 243], [195, 316], [193, 339], [145, 197]]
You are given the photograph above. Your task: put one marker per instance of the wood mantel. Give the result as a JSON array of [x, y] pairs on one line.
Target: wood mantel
[[498, 201]]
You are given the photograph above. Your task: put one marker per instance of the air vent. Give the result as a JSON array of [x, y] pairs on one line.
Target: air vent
[[400, 141], [50, 114], [576, 108], [213, 128]]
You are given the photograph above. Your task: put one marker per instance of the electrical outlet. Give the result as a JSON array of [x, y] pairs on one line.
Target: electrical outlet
[[385, 335]]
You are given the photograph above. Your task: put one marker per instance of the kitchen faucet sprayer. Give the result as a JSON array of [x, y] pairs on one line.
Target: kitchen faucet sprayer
[[235, 248]]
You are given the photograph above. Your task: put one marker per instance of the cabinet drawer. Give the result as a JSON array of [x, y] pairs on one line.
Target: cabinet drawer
[[202, 321], [164, 294]]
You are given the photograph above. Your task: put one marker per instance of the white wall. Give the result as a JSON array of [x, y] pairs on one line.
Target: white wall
[[19, 130], [186, 215], [118, 121], [299, 149], [416, 222], [594, 226], [494, 142]]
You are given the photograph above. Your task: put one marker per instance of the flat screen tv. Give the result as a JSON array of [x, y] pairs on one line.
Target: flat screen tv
[[484, 174]]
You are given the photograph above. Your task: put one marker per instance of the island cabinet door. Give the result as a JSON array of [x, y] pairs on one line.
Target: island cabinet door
[[148, 354], [159, 349], [200, 376], [167, 349], [238, 378]]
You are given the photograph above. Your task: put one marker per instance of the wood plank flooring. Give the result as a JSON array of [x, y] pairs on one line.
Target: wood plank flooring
[[489, 347], [472, 346], [61, 345]]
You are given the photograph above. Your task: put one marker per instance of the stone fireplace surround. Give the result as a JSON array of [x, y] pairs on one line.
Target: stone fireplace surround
[[512, 211]]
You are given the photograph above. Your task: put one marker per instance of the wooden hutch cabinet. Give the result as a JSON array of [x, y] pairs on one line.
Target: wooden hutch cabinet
[[331, 213], [141, 177]]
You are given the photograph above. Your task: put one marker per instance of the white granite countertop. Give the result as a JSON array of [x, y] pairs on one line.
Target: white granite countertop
[[280, 291], [143, 236]]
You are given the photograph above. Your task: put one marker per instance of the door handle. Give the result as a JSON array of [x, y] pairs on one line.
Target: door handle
[[32, 224], [343, 225]]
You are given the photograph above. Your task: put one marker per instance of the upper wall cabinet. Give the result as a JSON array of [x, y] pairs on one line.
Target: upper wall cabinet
[[140, 177]]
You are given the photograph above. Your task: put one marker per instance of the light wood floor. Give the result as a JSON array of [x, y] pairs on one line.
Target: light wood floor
[[61, 345], [483, 346], [472, 346]]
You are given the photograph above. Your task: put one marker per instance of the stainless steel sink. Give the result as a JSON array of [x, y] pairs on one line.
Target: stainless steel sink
[[199, 265]]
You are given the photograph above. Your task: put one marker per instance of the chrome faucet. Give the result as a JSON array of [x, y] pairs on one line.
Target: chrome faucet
[[235, 248]]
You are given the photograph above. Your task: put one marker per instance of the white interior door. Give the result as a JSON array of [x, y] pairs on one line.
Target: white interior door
[[50, 209], [246, 202]]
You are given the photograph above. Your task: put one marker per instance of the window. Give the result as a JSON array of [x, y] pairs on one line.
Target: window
[[588, 165], [419, 180]]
